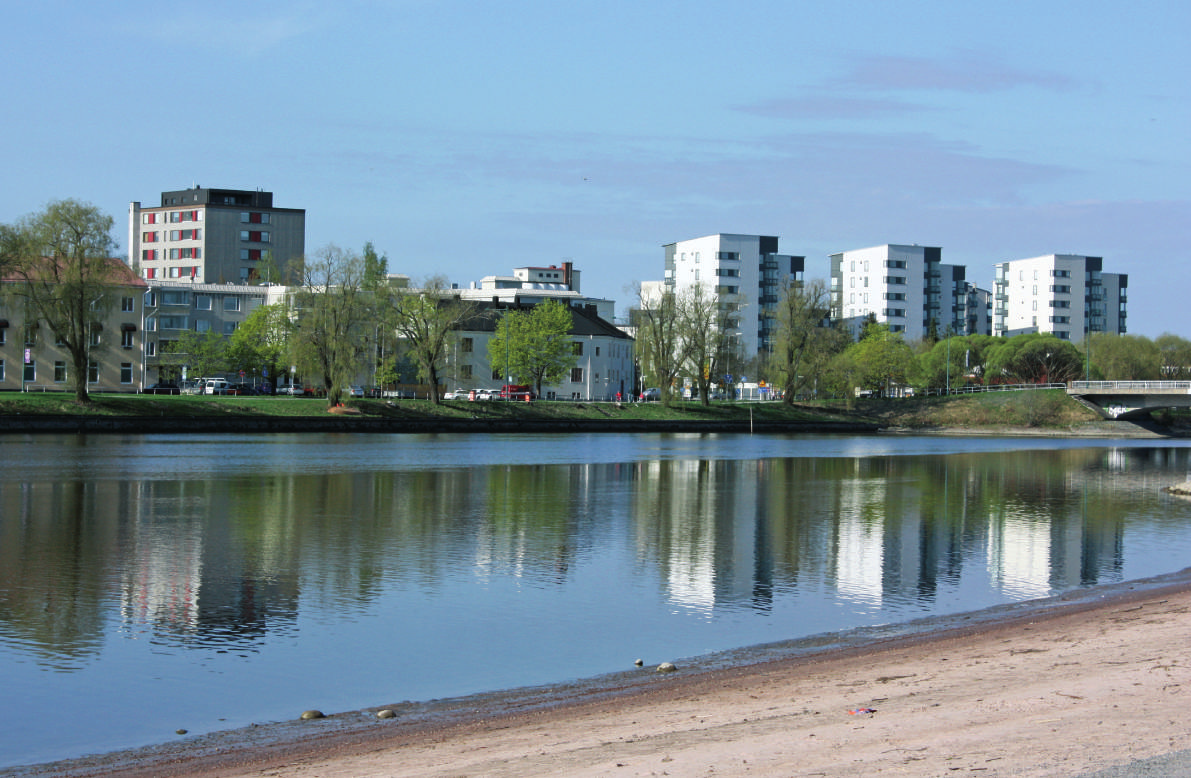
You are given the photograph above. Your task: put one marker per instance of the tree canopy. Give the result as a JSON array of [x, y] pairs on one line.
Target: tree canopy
[[62, 258], [426, 320], [534, 345]]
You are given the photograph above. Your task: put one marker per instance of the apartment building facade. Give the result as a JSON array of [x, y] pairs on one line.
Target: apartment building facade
[[213, 236], [1067, 295], [32, 359], [744, 271], [908, 288]]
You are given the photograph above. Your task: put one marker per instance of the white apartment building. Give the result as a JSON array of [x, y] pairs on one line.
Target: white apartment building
[[214, 236], [742, 270], [1067, 295]]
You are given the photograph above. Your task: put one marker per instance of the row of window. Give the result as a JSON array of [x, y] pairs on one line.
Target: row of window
[[255, 236], [151, 255], [29, 374], [181, 271], [171, 217], [154, 236], [202, 302]]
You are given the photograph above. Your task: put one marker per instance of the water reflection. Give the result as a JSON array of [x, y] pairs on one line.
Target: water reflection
[[684, 555]]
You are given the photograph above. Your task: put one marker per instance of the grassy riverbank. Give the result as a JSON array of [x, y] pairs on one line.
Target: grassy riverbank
[[1042, 410]]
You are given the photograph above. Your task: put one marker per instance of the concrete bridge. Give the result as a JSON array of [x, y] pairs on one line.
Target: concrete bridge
[[1123, 399]]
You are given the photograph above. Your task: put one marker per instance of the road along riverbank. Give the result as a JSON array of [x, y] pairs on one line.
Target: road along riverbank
[[1058, 687]]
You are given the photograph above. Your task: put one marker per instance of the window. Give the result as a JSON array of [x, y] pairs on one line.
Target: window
[[254, 236], [148, 218], [247, 217], [229, 327], [576, 375], [1, 369], [126, 372], [894, 296], [30, 334], [466, 345], [96, 329], [465, 372], [1060, 289], [59, 372], [899, 264], [202, 325], [29, 375], [1060, 303], [597, 354], [231, 304], [127, 304], [899, 280], [577, 348], [3, 335], [151, 348], [150, 273], [175, 298], [126, 339], [149, 255], [202, 302], [250, 254], [173, 322], [92, 372]]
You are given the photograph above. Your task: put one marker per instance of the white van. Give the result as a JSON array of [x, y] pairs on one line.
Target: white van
[[215, 386]]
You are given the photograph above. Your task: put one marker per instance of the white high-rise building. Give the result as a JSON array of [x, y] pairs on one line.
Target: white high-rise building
[[1068, 295], [906, 287], [742, 270]]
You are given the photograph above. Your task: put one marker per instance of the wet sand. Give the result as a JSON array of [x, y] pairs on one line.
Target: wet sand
[[1061, 687]]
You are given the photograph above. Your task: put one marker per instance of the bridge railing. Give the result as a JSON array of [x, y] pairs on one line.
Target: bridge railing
[[1150, 387], [978, 388]]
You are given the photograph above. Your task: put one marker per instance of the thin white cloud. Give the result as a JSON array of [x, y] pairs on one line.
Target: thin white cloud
[[238, 29], [829, 107], [968, 72]]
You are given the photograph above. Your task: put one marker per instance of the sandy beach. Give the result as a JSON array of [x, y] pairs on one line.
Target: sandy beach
[[1062, 689]]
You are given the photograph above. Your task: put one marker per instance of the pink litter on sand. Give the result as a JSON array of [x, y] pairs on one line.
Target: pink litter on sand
[[858, 711]]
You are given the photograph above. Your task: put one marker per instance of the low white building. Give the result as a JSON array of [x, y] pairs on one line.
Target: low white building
[[604, 367]]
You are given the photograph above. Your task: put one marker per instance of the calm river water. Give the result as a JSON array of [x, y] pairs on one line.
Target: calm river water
[[150, 583]]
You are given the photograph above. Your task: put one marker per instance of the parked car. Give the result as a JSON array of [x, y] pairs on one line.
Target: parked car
[[294, 390], [215, 386], [355, 391], [164, 387], [191, 387], [651, 394], [455, 394], [486, 394], [242, 389]]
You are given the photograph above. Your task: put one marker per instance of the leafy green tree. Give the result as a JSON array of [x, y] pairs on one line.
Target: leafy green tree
[[333, 313], [426, 319], [534, 346], [204, 354], [1125, 357], [261, 342], [884, 358], [376, 268], [1033, 358], [62, 258], [803, 340], [955, 361], [661, 343], [1174, 354]]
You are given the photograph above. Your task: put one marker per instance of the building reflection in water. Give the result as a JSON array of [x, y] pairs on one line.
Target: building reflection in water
[[225, 562]]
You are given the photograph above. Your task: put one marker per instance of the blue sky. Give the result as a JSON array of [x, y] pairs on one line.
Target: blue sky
[[469, 138]]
